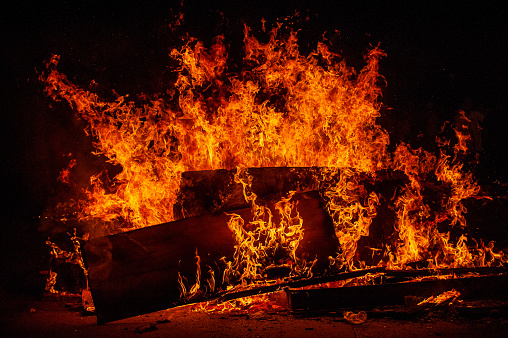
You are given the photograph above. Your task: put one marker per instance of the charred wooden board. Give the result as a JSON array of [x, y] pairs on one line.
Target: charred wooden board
[[371, 296], [214, 191], [137, 272]]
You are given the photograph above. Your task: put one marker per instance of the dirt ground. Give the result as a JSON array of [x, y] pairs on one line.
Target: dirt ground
[[25, 317]]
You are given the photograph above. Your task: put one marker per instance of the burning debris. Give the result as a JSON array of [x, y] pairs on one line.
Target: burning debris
[[334, 197]]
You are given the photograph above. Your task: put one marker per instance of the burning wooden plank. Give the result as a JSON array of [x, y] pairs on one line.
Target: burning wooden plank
[[138, 271], [390, 294], [213, 191]]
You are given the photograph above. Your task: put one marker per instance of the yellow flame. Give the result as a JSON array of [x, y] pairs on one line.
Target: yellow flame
[[263, 243], [352, 209], [193, 290]]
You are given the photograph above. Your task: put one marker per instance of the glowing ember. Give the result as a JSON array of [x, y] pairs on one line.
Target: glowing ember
[[245, 305]]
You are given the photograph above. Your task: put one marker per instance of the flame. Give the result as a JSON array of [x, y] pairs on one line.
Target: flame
[[244, 305], [51, 282], [280, 109], [412, 212], [264, 243], [352, 209], [446, 296], [285, 110], [73, 257], [196, 287], [65, 174], [419, 238]]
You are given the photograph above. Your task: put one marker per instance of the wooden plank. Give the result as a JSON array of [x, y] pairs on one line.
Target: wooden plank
[[370, 296], [214, 191], [394, 276], [298, 283], [137, 272]]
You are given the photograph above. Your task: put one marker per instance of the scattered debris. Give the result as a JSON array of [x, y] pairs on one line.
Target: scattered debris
[[355, 318]]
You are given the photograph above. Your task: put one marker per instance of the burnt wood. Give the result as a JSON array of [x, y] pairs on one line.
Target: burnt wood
[[214, 191], [385, 276], [298, 283], [390, 294], [136, 272]]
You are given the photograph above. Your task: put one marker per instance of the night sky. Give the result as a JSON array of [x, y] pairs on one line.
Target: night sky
[[441, 57]]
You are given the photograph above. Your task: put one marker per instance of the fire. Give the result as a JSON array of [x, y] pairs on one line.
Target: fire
[[352, 209], [73, 257], [286, 109], [265, 243], [193, 290], [282, 109], [64, 176], [441, 298], [244, 305]]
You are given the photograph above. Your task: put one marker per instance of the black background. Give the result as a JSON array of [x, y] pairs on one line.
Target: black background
[[441, 57]]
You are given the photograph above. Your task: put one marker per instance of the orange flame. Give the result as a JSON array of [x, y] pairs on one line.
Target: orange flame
[[244, 305], [285, 110], [281, 109], [352, 209], [65, 174], [263, 244], [193, 290]]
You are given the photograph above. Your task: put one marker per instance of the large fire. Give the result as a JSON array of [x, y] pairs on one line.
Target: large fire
[[281, 109]]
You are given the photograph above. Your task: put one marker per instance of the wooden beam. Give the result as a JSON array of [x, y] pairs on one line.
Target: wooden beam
[[370, 296]]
